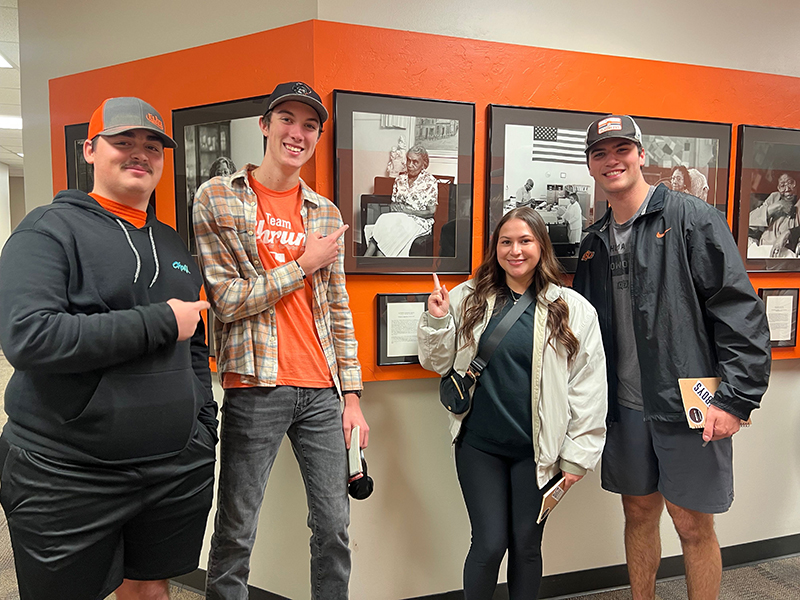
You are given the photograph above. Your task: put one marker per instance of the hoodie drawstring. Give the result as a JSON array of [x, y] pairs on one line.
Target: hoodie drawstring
[[136, 252], [155, 255]]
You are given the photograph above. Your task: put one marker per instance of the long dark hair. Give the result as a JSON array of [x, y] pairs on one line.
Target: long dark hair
[[490, 280]]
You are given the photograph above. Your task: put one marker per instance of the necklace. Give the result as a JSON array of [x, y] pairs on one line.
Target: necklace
[[514, 296]]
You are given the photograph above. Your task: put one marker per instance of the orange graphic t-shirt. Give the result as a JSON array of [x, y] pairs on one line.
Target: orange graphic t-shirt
[[280, 238]]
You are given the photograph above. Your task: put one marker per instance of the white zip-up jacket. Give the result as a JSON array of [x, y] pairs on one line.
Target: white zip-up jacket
[[568, 400]]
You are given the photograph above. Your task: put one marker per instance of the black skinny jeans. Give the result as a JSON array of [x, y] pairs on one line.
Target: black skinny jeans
[[503, 501]]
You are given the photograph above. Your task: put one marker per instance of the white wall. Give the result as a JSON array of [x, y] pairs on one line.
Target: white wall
[[5, 205], [411, 536], [737, 34], [16, 187]]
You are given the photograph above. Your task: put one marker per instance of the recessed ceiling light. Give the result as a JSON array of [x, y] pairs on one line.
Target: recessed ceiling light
[[7, 122], [20, 154]]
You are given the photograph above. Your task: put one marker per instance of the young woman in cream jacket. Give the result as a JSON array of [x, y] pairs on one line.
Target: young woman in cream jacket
[[538, 410]]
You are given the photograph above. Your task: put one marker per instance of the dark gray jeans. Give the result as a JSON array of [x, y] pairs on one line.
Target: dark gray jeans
[[254, 421]]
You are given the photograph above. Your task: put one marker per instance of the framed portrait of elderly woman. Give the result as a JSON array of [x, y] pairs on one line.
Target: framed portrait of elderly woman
[[537, 159], [214, 139], [766, 214], [404, 178]]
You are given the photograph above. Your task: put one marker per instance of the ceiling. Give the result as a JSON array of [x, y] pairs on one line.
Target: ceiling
[[10, 139]]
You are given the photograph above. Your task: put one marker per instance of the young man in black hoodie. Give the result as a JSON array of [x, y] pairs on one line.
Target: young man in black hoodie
[[108, 454]]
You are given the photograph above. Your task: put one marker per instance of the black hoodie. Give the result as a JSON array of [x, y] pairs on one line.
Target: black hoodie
[[84, 321]]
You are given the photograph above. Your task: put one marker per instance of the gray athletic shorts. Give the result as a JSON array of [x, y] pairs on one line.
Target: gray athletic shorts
[[641, 458]]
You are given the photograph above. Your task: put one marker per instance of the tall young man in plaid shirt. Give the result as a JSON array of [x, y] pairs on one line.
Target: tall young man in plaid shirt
[[286, 350]]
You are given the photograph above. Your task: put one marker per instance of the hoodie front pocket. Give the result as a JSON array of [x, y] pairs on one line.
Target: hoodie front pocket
[[135, 415]]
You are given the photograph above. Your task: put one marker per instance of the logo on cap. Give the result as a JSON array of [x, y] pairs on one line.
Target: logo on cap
[[155, 121], [300, 88], [609, 124]]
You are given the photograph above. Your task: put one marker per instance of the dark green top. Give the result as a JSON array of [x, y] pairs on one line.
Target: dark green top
[[500, 421]]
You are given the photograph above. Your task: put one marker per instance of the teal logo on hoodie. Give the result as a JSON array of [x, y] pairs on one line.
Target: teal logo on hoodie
[[180, 266]]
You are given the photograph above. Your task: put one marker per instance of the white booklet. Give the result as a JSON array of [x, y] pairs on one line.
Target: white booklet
[[354, 454], [550, 499]]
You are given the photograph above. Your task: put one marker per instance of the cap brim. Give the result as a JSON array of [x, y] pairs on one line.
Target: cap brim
[[168, 141], [613, 137], [312, 102]]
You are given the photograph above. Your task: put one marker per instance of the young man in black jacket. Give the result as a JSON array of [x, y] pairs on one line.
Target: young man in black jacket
[[674, 301], [108, 454]]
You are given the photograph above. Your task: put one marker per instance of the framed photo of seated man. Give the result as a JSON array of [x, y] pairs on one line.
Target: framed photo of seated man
[[767, 198], [403, 177]]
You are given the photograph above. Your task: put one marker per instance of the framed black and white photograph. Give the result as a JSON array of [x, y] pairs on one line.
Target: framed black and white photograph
[[214, 139], [398, 316], [404, 178], [781, 307], [80, 174], [767, 210], [537, 158]]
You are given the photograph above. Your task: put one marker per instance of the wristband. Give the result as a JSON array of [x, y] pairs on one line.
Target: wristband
[[303, 273]]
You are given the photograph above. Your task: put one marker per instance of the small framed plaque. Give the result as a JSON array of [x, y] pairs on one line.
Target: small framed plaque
[[781, 304], [398, 316]]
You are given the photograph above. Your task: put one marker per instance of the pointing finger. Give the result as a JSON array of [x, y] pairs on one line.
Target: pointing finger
[[436, 284], [202, 305], [339, 232]]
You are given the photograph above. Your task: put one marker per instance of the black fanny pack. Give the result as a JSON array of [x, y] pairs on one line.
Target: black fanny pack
[[455, 390]]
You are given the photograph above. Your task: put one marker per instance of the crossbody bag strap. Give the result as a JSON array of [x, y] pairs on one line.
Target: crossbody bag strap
[[479, 363]]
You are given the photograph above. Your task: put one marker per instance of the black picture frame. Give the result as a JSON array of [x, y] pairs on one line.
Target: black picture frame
[[781, 313], [80, 174], [205, 136], [547, 146], [767, 221], [393, 345], [372, 133]]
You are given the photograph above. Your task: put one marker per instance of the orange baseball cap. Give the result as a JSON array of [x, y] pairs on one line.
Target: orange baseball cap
[[117, 115]]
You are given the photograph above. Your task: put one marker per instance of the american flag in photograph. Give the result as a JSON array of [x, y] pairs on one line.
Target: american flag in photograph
[[554, 144]]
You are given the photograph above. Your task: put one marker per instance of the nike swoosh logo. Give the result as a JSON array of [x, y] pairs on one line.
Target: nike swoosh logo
[[660, 234]]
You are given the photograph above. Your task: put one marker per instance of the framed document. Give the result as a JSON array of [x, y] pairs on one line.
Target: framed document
[[781, 304], [403, 181], [398, 316]]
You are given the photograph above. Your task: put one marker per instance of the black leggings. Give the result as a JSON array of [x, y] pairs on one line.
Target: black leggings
[[503, 502]]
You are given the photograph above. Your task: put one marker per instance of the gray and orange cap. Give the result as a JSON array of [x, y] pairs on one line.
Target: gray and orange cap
[[117, 115], [613, 126], [300, 92]]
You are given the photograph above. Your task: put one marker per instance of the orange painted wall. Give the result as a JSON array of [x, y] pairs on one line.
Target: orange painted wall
[[339, 56]]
